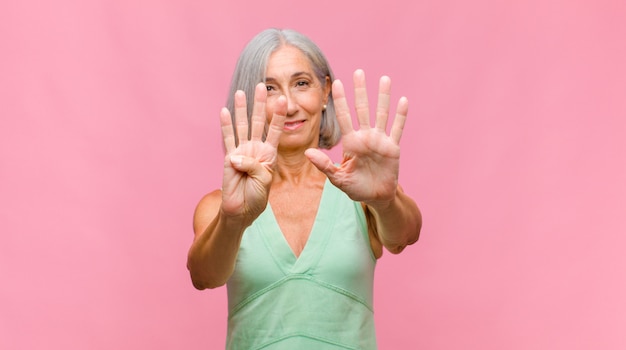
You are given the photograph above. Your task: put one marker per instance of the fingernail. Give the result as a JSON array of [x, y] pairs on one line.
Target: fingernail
[[236, 160]]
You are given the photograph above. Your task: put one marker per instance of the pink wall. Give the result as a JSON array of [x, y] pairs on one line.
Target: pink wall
[[514, 150]]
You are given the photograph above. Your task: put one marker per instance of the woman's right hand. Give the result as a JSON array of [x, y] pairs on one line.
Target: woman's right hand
[[249, 163]]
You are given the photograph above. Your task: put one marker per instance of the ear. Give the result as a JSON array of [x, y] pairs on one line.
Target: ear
[[327, 89]]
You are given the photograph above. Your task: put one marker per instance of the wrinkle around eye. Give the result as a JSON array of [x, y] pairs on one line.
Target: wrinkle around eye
[[272, 90]]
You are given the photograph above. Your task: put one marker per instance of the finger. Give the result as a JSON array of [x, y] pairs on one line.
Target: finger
[[341, 108], [241, 117], [248, 165], [382, 109], [321, 161], [361, 104], [258, 112], [400, 119], [228, 134], [278, 122]]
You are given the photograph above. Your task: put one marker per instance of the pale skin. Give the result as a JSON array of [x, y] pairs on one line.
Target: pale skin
[[288, 170]]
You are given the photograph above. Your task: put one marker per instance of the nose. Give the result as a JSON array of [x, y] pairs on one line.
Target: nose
[[292, 105]]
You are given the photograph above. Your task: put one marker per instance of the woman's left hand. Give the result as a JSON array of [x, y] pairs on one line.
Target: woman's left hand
[[369, 170]]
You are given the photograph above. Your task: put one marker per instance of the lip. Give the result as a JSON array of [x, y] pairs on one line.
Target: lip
[[293, 125]]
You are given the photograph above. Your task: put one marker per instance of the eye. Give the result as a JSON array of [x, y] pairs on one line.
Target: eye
[[302, 83], [271, 90]]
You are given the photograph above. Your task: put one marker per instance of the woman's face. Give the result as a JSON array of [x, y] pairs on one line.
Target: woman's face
[[289, 73]]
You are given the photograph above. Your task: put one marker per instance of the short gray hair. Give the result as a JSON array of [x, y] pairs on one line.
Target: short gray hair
[[252, 64]]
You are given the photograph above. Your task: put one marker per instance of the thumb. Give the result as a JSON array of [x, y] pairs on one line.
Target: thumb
[[321, 161], [246, 165]]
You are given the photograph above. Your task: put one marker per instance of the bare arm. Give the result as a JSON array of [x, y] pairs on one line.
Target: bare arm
[[222, 216], [395, 224], [211, 258], [369, 170]]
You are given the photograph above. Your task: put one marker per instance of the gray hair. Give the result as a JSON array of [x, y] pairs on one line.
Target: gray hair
[[252, 64]]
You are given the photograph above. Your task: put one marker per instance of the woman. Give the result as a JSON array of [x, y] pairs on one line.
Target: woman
[[294, 236]]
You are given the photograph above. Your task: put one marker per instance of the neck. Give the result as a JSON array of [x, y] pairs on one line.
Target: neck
[[293, 168]]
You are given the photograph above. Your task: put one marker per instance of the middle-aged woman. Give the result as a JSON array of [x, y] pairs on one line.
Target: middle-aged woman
[[293, 235]]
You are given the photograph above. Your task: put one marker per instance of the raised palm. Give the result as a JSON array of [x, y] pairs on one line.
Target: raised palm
[[249, 161], [369, 169]]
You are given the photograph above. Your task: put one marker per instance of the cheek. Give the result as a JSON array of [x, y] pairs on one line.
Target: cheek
[[269, 111]]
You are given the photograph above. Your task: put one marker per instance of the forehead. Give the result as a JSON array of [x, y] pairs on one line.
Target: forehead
[[286, 61]]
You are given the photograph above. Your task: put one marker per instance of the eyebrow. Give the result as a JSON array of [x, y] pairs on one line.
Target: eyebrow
[[294, 75]]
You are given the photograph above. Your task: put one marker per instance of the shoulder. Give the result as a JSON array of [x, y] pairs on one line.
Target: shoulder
[[206, 210]]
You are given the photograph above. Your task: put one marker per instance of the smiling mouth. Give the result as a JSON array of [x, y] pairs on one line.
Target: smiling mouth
[[289, 126]]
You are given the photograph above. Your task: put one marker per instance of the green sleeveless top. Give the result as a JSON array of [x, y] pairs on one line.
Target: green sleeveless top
[[320, 300]]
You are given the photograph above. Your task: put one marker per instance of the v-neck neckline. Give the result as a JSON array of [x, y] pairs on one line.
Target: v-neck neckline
[[277, 243]]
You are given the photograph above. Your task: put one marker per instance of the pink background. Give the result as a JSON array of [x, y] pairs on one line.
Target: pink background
[[514, 150]]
